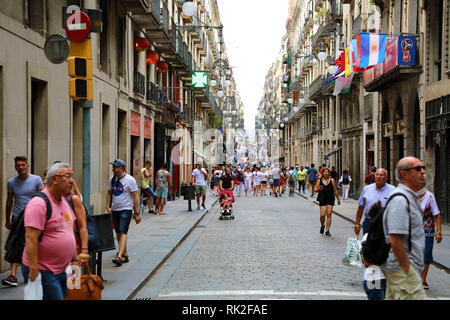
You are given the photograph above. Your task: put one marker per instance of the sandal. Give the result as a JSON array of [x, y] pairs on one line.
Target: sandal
[[126, 259], [117, 261], [425, 286]]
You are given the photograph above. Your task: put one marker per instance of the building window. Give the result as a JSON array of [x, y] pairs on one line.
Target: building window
[[35, 14], [104, 37]]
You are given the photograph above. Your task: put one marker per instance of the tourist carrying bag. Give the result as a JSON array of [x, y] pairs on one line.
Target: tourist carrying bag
[[89, 286]]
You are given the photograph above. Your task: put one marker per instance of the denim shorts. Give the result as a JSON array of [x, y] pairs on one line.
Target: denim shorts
[[162, 193], [375, 293], [428, 254], [276, 182], [54, 286], [122, 220]]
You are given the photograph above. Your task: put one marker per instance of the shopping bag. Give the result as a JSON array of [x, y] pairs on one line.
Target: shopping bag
[[352, 255], [33, 289]]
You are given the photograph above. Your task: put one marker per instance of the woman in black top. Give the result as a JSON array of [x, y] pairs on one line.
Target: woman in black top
[[326, 186]]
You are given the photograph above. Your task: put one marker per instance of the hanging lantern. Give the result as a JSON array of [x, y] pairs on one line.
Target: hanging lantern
[[140, 44], [152, 57], [162, 66]]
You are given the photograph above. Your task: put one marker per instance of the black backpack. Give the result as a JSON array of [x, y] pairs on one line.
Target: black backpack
[[15, 243], [345, 180], [94, 241], [375, 250]]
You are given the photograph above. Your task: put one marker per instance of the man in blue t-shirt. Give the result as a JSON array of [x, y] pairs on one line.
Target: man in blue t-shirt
[[21, 189]]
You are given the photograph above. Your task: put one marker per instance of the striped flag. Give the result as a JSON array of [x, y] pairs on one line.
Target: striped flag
[[370, 49], [348, 62], [342, 85]]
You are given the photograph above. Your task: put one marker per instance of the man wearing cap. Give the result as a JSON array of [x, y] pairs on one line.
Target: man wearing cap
[[122, 200]]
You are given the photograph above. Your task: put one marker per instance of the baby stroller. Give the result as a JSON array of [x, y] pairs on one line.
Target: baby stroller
[[226, 199]]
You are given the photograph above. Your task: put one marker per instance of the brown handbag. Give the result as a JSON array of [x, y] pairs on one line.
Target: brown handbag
[[91, 288]]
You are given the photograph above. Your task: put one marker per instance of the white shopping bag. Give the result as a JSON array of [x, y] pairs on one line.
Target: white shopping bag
[[33, 289], [352, 256]]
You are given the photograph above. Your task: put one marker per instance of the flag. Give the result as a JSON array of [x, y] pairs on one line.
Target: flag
[[348, 62], [220, 129], [342, 85], [370, 49], [355, 54]]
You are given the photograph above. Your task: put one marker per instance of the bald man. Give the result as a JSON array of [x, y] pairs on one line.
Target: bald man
[[402, 217], [371, 194]]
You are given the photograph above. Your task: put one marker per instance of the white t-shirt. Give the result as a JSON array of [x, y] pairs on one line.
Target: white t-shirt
[[200, 179], [248, 176], [264, 176], [256, 177], [122, 199]]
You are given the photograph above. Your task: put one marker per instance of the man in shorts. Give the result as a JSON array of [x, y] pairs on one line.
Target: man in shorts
[[146, 190], [276, 172], [122, 199], [199, 178], [163, 183]]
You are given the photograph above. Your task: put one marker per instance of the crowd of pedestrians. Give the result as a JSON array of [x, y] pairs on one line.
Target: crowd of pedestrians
[[53, 205]]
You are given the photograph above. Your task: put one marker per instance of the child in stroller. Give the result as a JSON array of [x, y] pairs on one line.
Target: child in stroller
[[226, 200]]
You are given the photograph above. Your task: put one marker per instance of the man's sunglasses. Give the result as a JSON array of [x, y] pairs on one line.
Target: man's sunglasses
[[417, 168]]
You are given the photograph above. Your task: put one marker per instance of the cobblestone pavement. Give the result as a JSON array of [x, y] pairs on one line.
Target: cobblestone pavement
[[272, 250]]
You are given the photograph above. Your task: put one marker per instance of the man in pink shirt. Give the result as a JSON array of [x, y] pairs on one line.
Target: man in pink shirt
[[53, 253]]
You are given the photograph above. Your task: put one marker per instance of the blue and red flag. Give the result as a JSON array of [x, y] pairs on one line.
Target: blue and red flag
[[370, 49]]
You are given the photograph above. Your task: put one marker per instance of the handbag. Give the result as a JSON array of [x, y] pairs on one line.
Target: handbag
[[90, 286]]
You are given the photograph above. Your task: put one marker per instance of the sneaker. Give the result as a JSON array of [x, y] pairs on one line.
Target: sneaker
[[276, 196], [328, 233], [322, 229], [198, 207], [204, 207], [10, 281]]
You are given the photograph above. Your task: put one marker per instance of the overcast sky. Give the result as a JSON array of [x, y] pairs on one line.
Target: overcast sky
[[253, 30]]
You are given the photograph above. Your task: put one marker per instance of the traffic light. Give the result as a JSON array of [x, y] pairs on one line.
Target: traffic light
[[80, 71]]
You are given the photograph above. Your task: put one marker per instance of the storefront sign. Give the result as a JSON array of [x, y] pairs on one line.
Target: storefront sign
[[399, 51], [147, 128], [135, 124]]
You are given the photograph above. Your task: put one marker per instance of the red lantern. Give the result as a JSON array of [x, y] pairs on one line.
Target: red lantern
[[162, 66], [152, 57], [140, 44]]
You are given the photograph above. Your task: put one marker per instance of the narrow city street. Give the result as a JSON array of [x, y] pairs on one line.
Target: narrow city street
[[272, 250]]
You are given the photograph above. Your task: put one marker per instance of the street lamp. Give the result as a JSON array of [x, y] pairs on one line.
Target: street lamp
[[188, 8]]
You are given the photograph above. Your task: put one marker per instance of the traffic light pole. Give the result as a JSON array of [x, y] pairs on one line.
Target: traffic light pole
[[87, 105]]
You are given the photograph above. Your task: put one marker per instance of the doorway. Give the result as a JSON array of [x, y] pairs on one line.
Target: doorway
[[39, 127]]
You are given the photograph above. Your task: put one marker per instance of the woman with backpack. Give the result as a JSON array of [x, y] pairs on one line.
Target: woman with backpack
[[326, 186], [345, 184]]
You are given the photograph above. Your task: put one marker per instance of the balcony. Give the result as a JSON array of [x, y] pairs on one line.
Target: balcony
[[139, 84], [137, 6], [315, 89], [156, 95], [156, 23], [336, 11], [327, 88], [357, 26]]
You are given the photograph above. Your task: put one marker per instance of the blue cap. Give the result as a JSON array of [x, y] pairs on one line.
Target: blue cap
[[118, 163]]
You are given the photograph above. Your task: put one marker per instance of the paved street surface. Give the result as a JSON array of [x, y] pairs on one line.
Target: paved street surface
[[272, 250]]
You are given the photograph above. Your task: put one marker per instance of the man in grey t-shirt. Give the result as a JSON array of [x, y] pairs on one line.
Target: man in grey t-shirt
[[21, 189], [404, 282]]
